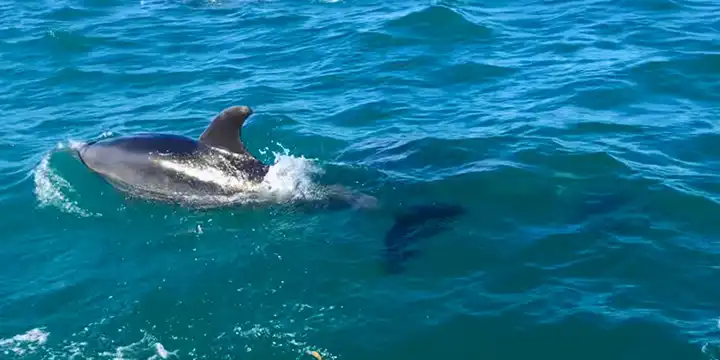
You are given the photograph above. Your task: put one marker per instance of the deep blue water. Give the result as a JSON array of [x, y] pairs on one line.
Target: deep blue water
[[581, 137]]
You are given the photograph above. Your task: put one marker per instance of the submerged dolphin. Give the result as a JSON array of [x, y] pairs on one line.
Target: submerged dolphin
[[217, 164]]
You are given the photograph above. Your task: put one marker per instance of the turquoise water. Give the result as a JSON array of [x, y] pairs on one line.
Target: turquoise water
[[580, 137]]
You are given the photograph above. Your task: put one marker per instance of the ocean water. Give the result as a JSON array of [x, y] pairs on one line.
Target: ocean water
[[580, 137]]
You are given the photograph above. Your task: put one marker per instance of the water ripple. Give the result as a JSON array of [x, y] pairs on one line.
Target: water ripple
[[581, 136]]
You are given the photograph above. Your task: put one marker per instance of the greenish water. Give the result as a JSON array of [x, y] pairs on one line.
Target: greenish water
[[581, 138]]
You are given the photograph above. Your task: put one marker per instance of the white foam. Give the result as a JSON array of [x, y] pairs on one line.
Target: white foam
[[146, 348], [280, 339], [51, 189], [24, 343], [32, 344], [290, 177]]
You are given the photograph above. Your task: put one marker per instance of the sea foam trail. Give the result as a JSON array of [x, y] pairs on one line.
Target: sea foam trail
[[93, 342], [22, 344]]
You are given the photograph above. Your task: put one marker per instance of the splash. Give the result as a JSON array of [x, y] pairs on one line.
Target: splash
[[51, 189], [290, 177]]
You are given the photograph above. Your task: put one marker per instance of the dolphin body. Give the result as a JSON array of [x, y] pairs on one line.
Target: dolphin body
[[205, 172], [178, 168]]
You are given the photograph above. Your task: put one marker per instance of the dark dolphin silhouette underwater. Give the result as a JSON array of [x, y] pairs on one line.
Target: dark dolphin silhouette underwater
[[217, 166]]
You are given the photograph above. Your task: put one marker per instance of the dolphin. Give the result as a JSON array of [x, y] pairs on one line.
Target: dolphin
[[177, 168], [216, 167]]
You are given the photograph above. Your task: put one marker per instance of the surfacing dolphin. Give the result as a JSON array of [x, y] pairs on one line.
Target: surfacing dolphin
[[214, 170], [217, 167]]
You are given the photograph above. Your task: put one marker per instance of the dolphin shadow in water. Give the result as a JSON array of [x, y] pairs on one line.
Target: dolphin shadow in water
[[174, 168], [410, 226]]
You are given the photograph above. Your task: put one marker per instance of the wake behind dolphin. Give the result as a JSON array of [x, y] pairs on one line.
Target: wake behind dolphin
[[217, 170]]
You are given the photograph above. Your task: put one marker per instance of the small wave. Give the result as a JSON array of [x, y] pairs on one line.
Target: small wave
[[425, 21], [692, 76], [654, 5], [68, 12], [51, 189], [471, 72]]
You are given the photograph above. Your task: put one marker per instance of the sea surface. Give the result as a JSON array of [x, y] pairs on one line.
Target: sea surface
[[581, 138]]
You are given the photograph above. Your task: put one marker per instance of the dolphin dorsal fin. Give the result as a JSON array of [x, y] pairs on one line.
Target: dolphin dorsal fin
[[224, 130]]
